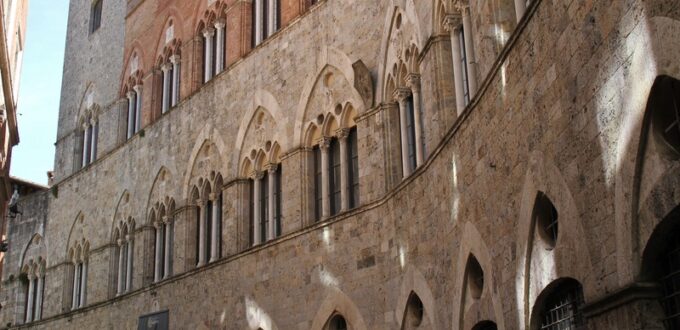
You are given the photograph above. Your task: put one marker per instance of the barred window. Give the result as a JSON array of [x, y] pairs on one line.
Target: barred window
[[562, 308]]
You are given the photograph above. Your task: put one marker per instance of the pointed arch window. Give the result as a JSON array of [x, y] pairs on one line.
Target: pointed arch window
[[34, 289], [89, 140], [124, 254], [134, 115], [266, 204], [214, 49], [337, 322], [209, 225], [79, 268], [171, 83]]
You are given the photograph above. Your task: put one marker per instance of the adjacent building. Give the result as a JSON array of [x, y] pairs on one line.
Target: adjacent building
[[13, 17], [344, 164]]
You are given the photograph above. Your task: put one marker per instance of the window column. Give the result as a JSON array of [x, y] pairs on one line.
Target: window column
[[166, 87], [131, 113], [208, 60], [271, 19], [157, 258], [258, 21], [413, 80], [324, 146], [470, 50], [128, 268], [215, 225], [257, 179], [121, 263], [39, 297], [86, 143], [168, 247], [175, 60], [451, 24], [76, 282], [29, 304], [138, 108], [271, 200], [400, 94], [219, 59], [202, 224], [83, 283]]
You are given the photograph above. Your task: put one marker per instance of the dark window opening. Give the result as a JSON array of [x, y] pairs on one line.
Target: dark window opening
[[411, 132], [264, 207], [277, 202], [96, 18], [547, 219], [353, 156], [670, 281], [335, 177], [562, 309], [318, 193]]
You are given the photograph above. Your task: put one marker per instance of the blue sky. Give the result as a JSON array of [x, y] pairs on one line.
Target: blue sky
[[40, 87]]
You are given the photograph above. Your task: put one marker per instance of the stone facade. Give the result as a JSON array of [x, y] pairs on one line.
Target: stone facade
[[563, 123]]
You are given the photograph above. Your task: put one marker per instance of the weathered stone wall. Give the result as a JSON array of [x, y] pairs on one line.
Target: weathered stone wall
[[562, 112]]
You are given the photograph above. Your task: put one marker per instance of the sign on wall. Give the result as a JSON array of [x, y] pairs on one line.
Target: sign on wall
[[155, 321]]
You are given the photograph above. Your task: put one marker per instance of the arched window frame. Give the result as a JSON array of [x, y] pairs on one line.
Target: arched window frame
[[124, 242], [89, 136], [79, 267], [560, 306], [265, 193], [133, 92], [34, 289], [209, 204]]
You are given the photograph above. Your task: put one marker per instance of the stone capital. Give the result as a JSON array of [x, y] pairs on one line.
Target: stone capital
[[257, 175], [324, 144], [119, 242], [166, 220], [451, 22], [165, 67], [137, 88], [413, 80], [174, 59], [129, 237], [342, 133], [220, 24], [130, 94], [209, 32], [157, 224], [272, 168], [400, 94], [461, 6]]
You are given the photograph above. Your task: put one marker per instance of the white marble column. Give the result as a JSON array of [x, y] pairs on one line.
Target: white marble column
[[39, 297], [121, 263], [132, 103], [86, 144], [168, 247], [271, 20], [344, 167], [520, 8], [128, 268], [157, 257], [257, 233], [219, 59], [93, 147], [175, 60], [203, 223], [324, 146], [165, 68], [451, 23], [214, 238], [138, 108], [258, 21], [83, 283], [76, 281], [469, 50], [271, 187], [29, 303], [414, 82], [400, 95], [208, 42]]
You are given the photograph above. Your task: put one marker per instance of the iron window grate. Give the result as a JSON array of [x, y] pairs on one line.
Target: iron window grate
[[563, 310]]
